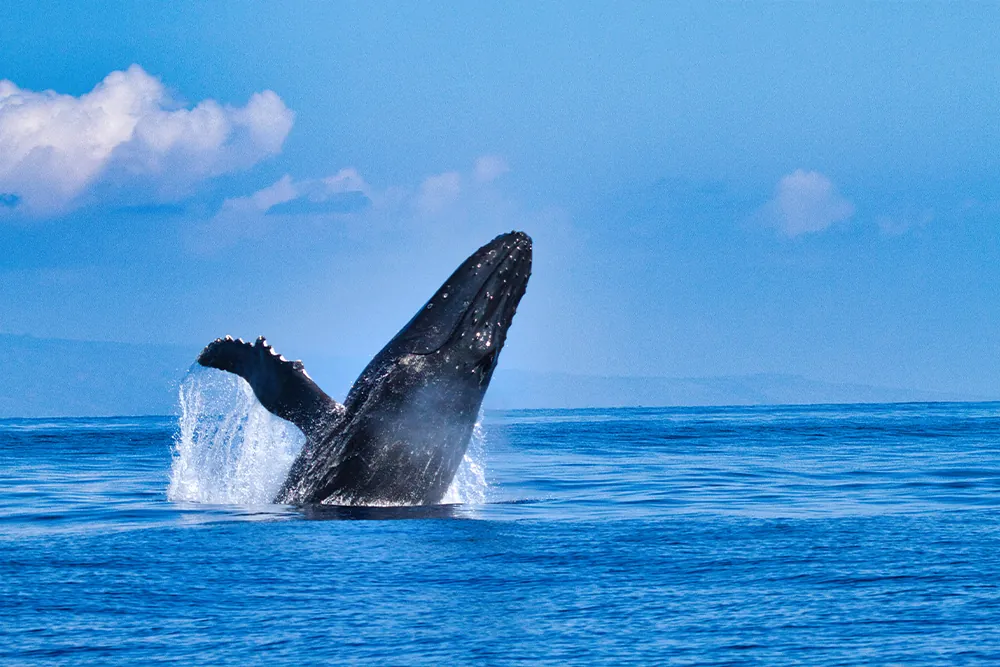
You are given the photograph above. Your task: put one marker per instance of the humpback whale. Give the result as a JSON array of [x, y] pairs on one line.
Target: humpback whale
[[404, 427]]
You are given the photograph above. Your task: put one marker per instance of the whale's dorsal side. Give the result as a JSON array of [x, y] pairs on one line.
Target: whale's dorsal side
[[283, 387]]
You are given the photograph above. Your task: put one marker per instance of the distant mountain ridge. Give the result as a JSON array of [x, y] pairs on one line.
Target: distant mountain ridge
[[45, 377], [555, 390]]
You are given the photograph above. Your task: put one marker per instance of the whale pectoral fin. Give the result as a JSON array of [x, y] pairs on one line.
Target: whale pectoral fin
[[283, 387]]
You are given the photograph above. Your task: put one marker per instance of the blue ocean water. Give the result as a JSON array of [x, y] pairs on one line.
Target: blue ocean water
[[820, 535]]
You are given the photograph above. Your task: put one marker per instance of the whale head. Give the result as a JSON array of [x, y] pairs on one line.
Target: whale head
[[465, 323], [410, 414]]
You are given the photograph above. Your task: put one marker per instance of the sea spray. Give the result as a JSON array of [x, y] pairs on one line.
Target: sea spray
[[230, 450], [469, 487]]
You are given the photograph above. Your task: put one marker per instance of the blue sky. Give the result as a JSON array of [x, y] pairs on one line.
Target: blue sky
[[714, 189]]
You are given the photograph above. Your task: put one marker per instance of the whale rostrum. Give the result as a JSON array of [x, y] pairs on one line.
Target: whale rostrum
[[401, 433]]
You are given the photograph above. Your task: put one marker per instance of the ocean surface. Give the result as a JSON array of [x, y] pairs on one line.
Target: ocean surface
[[819, 535]]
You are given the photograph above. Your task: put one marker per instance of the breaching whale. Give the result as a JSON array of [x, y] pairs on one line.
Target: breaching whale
[[401, 433]]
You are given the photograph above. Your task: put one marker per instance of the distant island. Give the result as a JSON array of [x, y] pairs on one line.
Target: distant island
[[47, 377]]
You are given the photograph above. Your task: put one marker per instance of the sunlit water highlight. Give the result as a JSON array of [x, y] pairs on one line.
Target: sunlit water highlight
[[822, 535]]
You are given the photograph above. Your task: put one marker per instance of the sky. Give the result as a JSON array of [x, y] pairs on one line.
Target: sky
[[713, 189]]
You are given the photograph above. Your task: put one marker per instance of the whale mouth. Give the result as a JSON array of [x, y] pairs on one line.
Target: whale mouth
[[475, 306]]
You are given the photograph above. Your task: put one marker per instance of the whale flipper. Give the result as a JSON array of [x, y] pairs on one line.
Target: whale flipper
[[283, 387]]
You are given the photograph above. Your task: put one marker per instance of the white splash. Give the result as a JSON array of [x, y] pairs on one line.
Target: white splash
[[469, 486], [230, 450]]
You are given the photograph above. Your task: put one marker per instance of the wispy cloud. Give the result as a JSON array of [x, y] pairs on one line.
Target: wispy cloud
[[438, 192], [489, 168], [806, 202], [445, 203], [316, 192], [900, 223], [125, 133]]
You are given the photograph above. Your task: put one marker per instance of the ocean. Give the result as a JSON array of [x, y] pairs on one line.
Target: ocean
[[815, 535]]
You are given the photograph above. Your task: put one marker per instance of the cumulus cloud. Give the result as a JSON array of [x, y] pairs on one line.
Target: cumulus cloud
[[806, 202], [126, 132]]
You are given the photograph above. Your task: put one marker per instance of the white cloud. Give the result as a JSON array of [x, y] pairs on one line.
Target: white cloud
[[287, 189], [489, 168], [900, 223], [345, 180], [240, 217], [438, 192], [806, 202], [284, 190], [440, 201], [126, 133]]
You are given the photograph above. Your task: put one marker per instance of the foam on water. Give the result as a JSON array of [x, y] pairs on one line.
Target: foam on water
[[230, 450]]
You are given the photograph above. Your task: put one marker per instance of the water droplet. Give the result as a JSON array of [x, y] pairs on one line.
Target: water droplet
[[429, 306]]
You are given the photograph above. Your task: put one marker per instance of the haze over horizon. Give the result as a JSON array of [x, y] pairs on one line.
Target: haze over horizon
[[714, 190]]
